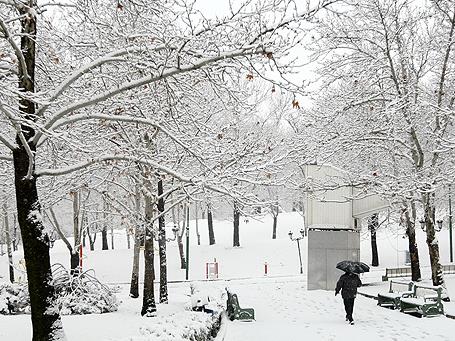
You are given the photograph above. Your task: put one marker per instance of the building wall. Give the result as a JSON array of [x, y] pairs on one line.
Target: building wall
[[328, 198], [325, 249]]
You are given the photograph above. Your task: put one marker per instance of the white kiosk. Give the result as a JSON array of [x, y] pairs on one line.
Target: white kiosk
[[332, 211]]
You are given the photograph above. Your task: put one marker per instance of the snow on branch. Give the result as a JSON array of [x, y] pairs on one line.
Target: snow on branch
[[153, 164], [9, 2], [6, 158], [17, 50], [118, 118], [8, 143], [111, 57], [247, 50]]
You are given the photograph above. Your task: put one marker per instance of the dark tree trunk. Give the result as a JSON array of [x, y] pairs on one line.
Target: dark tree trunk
[[104, 239], [15, 237], [45, 316], [74, 260], [8, 243], [275, 211], [181, 252], [162, 245], [46, 322], [197, 223], [236, 239], [210, 225], [373, 224], [148, 303], [413, 250], [433, 247], [91, 240], [275, 221], [180, 238], [134, 286], [104, 245]]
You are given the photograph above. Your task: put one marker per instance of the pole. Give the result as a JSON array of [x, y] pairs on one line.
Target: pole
[[300, 255], [187, 252], [450, 225]]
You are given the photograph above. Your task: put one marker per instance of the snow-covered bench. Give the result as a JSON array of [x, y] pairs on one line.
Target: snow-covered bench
[[425, 301], [234, 311], [397, 291]]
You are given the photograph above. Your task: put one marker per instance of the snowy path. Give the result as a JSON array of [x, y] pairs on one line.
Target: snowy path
[[286, 311]]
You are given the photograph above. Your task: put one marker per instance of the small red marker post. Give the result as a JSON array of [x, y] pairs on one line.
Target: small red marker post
[[266, 268]]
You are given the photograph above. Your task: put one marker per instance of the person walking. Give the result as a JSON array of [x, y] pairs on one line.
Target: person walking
[[348, 284]]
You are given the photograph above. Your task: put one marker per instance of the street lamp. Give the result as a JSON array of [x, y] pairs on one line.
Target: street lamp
[[297, 239], [437, 227], [175, 230]]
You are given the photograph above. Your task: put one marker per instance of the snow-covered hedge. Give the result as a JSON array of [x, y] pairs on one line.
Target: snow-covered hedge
[[82, 293], [14, 299], [78, 294], [181, 326]]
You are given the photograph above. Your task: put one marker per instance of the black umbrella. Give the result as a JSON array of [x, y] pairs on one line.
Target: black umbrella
[[352, 266]]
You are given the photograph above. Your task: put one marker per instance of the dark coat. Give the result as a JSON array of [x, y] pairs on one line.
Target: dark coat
[[348, 284]]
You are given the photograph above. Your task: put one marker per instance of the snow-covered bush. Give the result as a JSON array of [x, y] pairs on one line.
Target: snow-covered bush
[[79, 294], [14, 298], [180, 326], [82, 293]]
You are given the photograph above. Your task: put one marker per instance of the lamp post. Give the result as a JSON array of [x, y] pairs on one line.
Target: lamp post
[[450, 226], [297, 239], [187, 252]]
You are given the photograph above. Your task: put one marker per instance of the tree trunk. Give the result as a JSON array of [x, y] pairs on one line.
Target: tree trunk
[[432, 242], [236, 239], [74, 261], [275, 221], [373, 223], [128, 240], [413, 250], [104, 231], [134, 287], [112, 237], [148, 303], [162, 245], [46, 322], [197, 223], [8, 242], [15, 236], [180, 238], [210, 225], [74, 254], [275, 212], [91, 240], [181, 252]]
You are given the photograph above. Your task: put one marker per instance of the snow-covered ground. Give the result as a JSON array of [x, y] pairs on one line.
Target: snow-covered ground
[[284, 308]]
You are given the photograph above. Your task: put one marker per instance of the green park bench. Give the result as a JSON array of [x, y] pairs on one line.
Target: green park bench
[[397, 291], [425, 301], [234, 311]]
